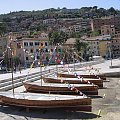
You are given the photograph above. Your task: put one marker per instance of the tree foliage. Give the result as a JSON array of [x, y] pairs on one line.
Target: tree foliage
[[2, 28], [57, 37], [81, 48], [34, 18]]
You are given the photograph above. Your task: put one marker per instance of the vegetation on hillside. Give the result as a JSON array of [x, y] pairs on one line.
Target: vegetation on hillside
[[32, 20]]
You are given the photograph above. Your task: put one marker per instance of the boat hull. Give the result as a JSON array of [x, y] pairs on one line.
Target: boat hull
[[84, 76], [88, 90], [84, 104], [98, 82]]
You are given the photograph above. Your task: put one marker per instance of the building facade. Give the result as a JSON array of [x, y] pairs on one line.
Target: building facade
[[115, 47], [108, 30], [98, 22], [98, 46]]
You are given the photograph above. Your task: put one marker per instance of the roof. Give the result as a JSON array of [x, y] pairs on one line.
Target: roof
[[70, 41], [104, 37], [34, 39]]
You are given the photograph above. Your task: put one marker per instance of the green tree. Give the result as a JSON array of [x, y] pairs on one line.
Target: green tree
[[112, 11], [81, 48], [57, 37], [2, 28], [95, 33]]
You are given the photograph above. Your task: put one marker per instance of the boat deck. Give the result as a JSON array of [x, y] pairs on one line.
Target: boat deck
[[60, 85], [59, 78], [35, 96]]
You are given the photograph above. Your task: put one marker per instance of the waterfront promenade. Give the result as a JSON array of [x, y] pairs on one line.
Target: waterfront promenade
[[103, 67]]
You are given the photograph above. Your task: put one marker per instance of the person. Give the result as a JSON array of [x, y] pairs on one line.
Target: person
[[19, 68], [14, 69]]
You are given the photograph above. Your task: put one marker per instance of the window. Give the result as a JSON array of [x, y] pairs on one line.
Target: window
[[36, 43], [19, 45], [46, 44], [26, 44], [59, 50], [38, 57], [51, 50], [31, 50], [112, 29], [26, 58], [31, 43], [41, 44], [46, 50]]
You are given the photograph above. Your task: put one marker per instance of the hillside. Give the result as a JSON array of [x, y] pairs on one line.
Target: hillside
[[33, 20]]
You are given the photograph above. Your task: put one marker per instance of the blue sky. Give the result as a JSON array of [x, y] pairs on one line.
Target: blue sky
[[16, 5]]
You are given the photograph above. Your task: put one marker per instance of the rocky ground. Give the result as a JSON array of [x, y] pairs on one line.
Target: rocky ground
[[107, 105]]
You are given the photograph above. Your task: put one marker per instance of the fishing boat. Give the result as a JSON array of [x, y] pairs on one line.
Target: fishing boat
[[61, 88], [78, 69], [98, 82], [34, 100], [84, 76]]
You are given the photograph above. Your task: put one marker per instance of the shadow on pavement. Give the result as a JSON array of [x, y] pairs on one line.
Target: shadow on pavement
[[95, 97], [56, 113]]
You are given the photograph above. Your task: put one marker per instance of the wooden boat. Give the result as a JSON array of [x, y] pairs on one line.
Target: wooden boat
[[98, 82], [84, 76], [77, 69], [61, 88], [34, 100]]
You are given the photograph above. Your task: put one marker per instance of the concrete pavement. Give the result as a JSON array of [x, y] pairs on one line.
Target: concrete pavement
[[104, 68]]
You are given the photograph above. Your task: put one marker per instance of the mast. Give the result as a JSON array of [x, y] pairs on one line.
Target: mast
[[41, 70], [12, 70], [11, 54], [56, 57], [41, 49], [74, 60]]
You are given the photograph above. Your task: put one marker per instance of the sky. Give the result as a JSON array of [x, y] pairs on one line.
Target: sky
[[28, 5]]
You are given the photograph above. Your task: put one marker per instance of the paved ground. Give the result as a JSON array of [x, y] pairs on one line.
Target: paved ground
[[109, 105]]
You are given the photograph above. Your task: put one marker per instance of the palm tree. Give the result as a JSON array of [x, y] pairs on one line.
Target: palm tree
[[81, 48]]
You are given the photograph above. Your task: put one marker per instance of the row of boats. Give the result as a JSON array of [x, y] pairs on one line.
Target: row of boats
[[63, 90]]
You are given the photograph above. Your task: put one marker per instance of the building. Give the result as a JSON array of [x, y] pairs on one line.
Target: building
[[104, 48], [98, 46], [108, 30], [28, 49], [49, 21], [93, 46], [98, 22], [71, 25], [3, 46], [38, 49], [115, 47]]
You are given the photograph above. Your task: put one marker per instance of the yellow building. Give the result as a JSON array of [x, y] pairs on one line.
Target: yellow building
[[103, 47]]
